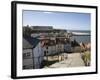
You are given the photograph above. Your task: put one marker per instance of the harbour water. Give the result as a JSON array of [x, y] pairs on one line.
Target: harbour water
[[82, 38]]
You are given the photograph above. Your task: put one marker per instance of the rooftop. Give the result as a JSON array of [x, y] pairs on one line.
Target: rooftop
[[29, 42]]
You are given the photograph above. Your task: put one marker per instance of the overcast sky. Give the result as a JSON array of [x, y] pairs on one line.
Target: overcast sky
[[59, 20]]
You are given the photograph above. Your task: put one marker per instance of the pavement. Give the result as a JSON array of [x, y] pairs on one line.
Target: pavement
[[73, 60]]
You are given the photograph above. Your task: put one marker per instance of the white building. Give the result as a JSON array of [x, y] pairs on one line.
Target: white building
[[59, 47], [49, 47], [32, 53]]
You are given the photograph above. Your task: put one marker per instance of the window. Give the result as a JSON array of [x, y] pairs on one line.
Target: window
[[46, 47], [26, 55], [44, 53]]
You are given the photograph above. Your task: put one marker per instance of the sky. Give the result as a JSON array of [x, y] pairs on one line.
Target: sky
[[59, 20]]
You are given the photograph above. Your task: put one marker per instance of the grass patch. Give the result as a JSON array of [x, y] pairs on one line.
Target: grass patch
[[86, 58], [88, 55]]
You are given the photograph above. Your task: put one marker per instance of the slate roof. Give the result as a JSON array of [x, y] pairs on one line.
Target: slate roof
[[30, 42]]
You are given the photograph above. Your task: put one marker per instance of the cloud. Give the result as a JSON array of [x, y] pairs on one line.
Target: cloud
[[48, 12]]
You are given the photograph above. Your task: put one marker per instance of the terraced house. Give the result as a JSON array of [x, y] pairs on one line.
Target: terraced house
[[32, 53], [43, 41]]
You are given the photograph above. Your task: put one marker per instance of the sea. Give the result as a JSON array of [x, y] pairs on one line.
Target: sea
[[81, 38]]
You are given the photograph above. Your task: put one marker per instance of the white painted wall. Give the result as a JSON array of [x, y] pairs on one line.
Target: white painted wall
[[28, 50], [59, 48], [52, 49], [49, 50], [62, 47], [28, 62], [38, 55]]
